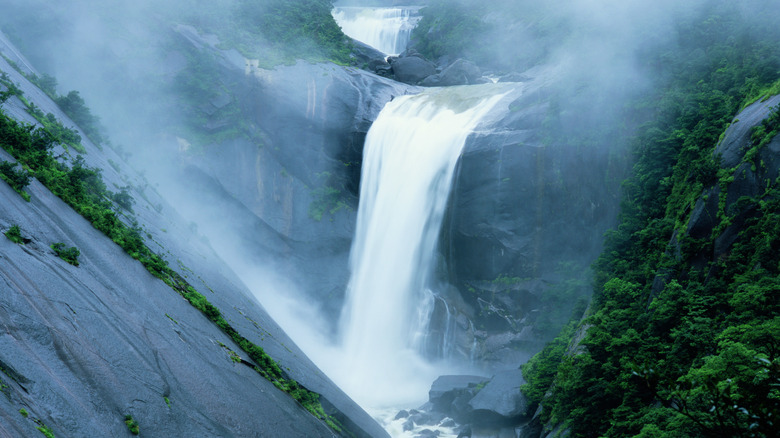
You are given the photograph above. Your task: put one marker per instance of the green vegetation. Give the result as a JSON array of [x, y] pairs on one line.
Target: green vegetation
[[24, 413], [301, 29], [75, 105], [46, 431], [167, 401], [132, 424], [203, 81], [14, 234], [17, 179], [70, 255], [83, 189], [682, 334], [449, 28], [327, 198]]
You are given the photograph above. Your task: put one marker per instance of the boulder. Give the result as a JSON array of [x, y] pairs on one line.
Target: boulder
[[364, 53], [500, 401], [403, 413], [412, 69], [736, 140], [460, 72], [446, 389], [750, 179]]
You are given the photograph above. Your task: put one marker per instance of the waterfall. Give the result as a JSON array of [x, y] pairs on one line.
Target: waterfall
[[409, 158], [386, 29]]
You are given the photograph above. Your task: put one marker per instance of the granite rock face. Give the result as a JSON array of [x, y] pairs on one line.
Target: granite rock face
[[522, 210], [750, 178], [83, 347], [500, 401]]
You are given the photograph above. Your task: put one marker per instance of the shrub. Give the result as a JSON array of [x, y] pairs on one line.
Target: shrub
[[14, 234], [46, 431], [17, 179], [132, 425], [70, 255]]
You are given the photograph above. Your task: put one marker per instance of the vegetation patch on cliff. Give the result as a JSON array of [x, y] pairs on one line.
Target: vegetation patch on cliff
[[82, 188]]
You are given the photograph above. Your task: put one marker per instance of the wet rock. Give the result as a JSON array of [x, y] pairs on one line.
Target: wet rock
[[446, 389], [427, 433], [460, 72], [448, 422], [500, 401], [412, 69], [401, 414], [736, 141], [464, 431]]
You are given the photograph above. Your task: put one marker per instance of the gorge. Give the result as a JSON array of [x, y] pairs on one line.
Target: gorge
[[279, 230]]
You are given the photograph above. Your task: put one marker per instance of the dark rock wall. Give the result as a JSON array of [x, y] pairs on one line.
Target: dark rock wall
[[526, 215]]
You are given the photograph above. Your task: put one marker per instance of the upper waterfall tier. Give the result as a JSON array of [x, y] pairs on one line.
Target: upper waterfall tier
[[409, 158], [385, 29]]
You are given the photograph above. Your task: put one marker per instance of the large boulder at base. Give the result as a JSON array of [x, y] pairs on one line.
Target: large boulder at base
[[500, 401], [412, 69], [445, 390]]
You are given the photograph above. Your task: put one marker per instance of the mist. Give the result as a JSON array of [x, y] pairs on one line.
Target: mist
[[214, 145]]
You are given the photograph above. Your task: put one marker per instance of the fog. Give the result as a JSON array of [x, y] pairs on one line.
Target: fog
[[118, 56]]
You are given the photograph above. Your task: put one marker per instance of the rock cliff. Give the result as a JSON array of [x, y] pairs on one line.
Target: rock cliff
[[85, 346]]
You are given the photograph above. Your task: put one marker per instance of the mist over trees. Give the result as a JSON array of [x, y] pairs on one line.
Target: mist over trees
[[680, 337]]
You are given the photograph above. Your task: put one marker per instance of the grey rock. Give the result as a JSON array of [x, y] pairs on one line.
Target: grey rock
[[737, 137], [90, 344], [500, 401], [460, 72], [412, 69], [445, 389], [401, 414], [427, 433]]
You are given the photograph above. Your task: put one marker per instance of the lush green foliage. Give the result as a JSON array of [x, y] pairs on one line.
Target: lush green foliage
[[448, 28], [296, 28], [14, 234], [132, 424], [72, 104], [17, 179], [683, 336], [46, 431], [70, 255]]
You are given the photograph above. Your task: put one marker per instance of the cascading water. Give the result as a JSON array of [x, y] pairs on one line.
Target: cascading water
[[409, 158], [386, 29]]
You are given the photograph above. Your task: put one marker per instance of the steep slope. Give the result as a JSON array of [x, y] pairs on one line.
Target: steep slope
[[681, 335], [86, 345]]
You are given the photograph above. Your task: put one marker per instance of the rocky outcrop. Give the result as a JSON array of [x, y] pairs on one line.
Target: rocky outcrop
[[473, 405], [411, 69], [460, 72], [500, 402], [85, 346], [750, 176], [450, 394], [526, 217], [297, 171]]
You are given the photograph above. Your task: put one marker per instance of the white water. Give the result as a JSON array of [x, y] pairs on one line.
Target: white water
[[409, 158], [385, 29]]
